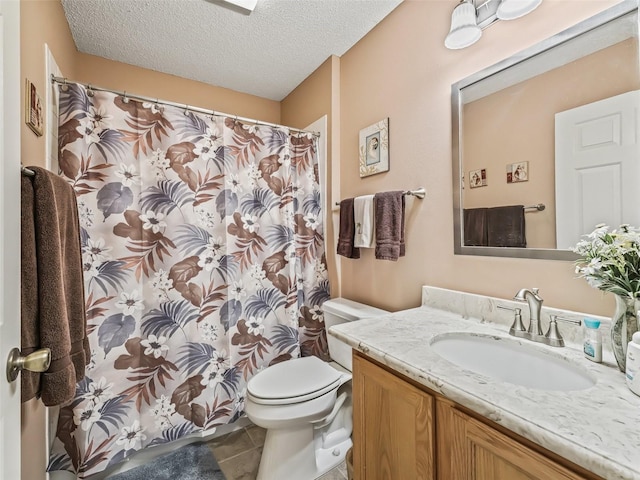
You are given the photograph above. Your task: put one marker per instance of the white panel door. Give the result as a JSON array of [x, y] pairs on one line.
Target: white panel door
[[597, 171], [9, 234]]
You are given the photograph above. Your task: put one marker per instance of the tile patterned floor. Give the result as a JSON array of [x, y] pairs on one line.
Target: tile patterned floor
[[238, 454]]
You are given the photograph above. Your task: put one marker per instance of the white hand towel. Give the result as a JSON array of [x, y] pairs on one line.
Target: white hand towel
[[363, 217]]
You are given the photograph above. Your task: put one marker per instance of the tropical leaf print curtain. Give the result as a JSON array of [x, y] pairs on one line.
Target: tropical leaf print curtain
[[204, 262]]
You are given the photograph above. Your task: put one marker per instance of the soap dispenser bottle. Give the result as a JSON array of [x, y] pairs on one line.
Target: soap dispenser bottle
[[592, 340], [633, 364]]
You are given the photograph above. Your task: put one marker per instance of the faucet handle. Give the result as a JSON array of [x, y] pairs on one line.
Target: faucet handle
[[553, 337], [517, 328], [558, 318]]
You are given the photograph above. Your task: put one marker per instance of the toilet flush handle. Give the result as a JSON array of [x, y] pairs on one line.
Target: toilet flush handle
[[336, 408]]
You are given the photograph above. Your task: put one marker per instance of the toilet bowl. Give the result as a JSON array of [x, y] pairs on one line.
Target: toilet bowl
[[305, 405]]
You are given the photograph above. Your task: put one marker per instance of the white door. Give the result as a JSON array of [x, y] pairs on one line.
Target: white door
[[597, 171], [9, 234]]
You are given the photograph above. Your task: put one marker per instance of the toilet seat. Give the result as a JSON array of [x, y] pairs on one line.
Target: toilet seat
[[298, 399], [294, 381]]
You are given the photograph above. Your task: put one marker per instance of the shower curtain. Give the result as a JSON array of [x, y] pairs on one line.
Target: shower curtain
[[203, 255]]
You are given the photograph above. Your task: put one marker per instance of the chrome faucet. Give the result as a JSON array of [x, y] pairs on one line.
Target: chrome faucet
[[535, 305], [534, 332]]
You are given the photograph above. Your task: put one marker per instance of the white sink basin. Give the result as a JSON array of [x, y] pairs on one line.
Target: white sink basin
[[510, 361]]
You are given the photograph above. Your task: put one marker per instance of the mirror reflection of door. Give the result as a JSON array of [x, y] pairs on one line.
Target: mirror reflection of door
[[507, 117], [597, 172]]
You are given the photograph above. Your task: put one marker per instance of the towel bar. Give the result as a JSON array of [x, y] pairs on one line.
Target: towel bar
[[539, 207], [420, 193]]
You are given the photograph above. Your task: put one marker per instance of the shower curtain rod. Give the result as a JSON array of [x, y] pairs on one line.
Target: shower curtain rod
[[187, 108]]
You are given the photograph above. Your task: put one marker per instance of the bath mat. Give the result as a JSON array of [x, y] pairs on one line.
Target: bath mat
[[191, 462]]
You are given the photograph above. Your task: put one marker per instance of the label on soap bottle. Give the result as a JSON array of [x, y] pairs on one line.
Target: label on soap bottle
[[589, 351], [630, 364], [633, 366]]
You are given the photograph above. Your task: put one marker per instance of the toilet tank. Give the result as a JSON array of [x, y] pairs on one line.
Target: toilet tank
[[341, 310]]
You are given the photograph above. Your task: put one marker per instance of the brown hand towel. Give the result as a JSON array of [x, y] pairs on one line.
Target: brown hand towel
[[506, 226], [389, 214], [30, 340], [347, 230], [475, 227], [53, 308]]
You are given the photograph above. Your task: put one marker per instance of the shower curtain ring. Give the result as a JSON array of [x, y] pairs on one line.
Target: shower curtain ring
[[89, 91], [64, 87], [186, 109], [125, 99]]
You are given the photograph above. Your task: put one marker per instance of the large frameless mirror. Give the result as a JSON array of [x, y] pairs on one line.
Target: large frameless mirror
[[545, 143]]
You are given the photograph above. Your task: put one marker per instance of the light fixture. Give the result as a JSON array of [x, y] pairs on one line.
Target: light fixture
[[464, 28], [512, 9], [470, 17]]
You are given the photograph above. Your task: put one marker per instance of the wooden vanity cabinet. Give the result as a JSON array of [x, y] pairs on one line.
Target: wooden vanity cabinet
[[403, 431], [471, 449], [393, 427]]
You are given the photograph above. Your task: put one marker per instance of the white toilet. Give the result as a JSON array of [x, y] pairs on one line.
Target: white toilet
[[305, 405]]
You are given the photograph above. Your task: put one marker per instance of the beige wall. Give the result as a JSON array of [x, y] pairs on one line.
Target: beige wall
[[311, 100], [517, 125], [42, 22], [402, 70], [120, 76]]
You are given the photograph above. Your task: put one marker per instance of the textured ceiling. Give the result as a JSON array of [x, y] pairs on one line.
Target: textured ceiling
[[267, 53]]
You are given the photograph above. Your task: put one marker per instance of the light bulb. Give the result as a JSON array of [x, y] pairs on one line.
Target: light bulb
[[464, 28], [512, 9]]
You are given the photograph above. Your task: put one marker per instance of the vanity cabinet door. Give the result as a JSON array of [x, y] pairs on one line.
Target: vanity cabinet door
[[393, 433], [471, 450]]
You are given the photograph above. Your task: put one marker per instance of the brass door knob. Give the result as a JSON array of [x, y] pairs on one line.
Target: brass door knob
[[37, 361]]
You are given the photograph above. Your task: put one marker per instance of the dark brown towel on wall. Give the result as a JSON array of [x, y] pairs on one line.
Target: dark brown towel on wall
[[347, 230], [506, 226], [29, 289], [475, 227], [53, 308], [389, 215]]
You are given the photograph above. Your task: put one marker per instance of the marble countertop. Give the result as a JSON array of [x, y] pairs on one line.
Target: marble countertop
[[597, 428]]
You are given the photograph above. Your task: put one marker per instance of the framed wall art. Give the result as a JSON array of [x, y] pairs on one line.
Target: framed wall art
[[478, 178], [33, 115], [518, 172], [374, 148]]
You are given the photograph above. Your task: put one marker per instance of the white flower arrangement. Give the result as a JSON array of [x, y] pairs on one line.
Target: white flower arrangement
[[611, 260]]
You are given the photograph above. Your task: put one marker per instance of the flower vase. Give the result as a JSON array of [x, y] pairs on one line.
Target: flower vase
[[624, 324]]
